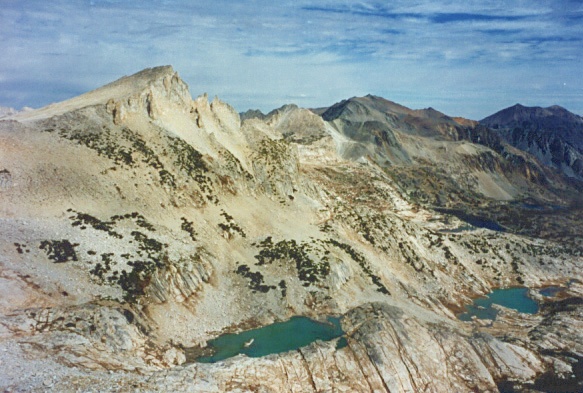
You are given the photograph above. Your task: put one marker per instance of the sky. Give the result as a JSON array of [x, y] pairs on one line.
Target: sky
[[464, 58]]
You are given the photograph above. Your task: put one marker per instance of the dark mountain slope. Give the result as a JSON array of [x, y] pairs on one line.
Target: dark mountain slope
[[553, 135]]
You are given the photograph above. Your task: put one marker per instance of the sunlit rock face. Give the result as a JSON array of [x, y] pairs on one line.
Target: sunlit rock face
[[138, 223]]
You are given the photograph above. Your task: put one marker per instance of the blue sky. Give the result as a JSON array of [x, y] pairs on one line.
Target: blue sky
[[468, 58]]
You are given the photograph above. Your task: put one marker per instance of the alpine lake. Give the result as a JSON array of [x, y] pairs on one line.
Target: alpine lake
[[298, 331], [278, 337], [513, 298]]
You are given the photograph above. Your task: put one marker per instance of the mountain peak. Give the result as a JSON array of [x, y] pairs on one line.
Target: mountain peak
[[553, 134], [283, 109], [519, 113], [364, 106], [138, 81], [163, 79]]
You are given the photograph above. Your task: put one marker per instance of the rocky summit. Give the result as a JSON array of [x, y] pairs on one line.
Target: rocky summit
[[138, 223]]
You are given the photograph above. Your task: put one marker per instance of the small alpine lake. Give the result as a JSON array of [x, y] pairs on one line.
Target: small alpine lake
[[514, 298], [278, 337], [472, 220]]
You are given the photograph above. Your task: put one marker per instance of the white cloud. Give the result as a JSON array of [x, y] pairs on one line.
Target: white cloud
[[464, 58]]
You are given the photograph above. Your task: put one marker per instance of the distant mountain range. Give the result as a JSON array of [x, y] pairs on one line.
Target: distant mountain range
[[553, 135]]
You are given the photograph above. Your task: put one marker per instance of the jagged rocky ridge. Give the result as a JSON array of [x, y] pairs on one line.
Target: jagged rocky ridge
[[137, 222]]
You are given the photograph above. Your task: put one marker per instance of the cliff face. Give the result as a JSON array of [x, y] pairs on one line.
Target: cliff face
[[137, 222]]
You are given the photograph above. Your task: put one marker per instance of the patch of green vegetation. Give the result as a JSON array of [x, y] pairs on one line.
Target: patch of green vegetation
[[167, 178], [151, 254], [233, 165], [21, 248], [283, 286], [132, 282], [274, 150], [477, 245], [124, 147], [83, 220], [562, 224], [152, 247], [309, 271], [191, 162], [100, 270], [437, 241], [272, 160], [430, 185], [375, 227], [150, 158], [411, 257], [305, 139], [103, 142], [230, 226], [256, 279], [312, 259], [136, 280], [326, 228], [187, 227], [59, 251], [187, 158], [361, 261], [138, 219], [450, 256]]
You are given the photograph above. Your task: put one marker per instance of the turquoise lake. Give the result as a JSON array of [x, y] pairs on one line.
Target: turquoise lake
[[514, 298], [278, 337]]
